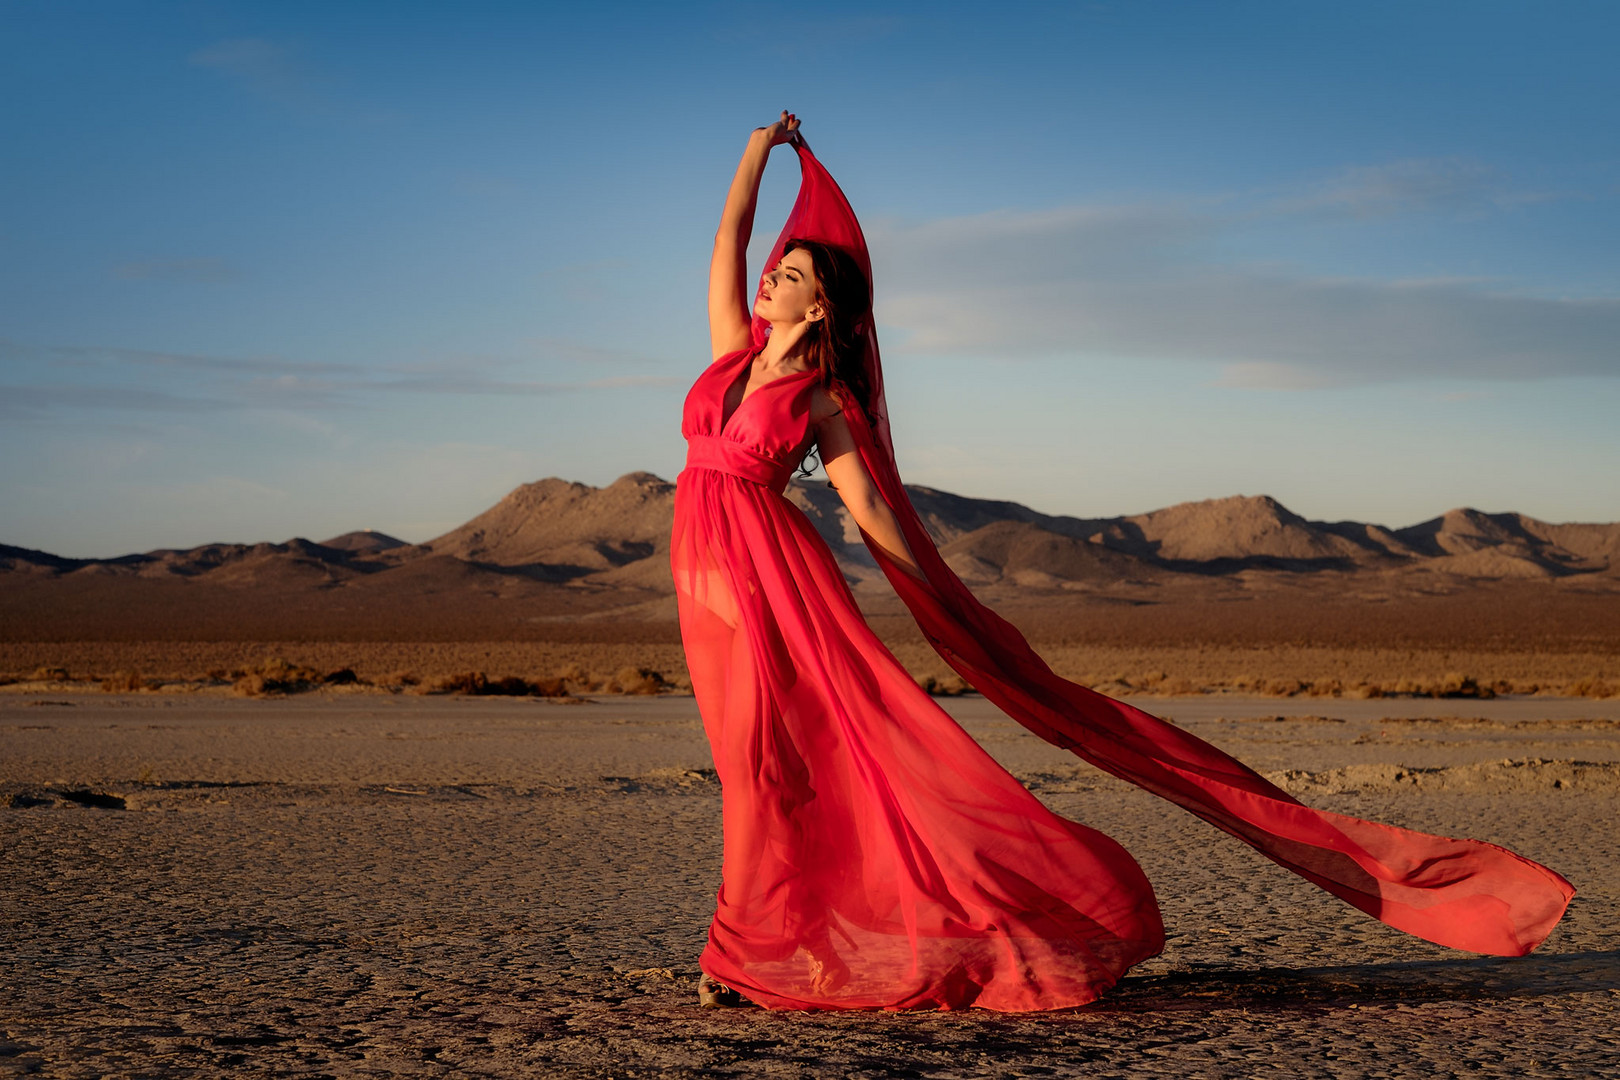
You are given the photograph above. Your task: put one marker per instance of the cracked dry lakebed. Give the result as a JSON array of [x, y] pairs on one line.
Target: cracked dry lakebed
[[416, 886]]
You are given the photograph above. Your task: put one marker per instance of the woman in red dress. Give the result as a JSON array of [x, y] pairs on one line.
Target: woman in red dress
[[875, 855]]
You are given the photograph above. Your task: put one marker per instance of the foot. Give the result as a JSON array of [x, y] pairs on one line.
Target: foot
[[713, 994], [828, 972]]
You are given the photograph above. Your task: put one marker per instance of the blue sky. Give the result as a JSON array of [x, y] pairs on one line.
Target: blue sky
[[277, 269]]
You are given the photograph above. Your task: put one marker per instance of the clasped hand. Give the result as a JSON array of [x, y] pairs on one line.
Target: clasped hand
[[785, 130]]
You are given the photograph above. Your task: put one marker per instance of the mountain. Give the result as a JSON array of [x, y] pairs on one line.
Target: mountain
[[1469, 538], [558, 530], [363, 540], [554, 550]]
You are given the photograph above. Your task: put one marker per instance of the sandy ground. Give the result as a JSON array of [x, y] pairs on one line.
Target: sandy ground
[[333, 886]]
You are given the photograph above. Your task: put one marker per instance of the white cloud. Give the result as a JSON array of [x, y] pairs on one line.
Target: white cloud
[[1138, 281]]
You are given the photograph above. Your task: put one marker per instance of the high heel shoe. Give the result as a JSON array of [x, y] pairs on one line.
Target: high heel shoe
[[828, 972], [713, 994]]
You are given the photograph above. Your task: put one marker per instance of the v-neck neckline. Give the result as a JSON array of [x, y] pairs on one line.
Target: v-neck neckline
[[727, 418]]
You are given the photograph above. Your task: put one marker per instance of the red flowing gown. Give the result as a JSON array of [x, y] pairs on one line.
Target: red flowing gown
[[875, 855]]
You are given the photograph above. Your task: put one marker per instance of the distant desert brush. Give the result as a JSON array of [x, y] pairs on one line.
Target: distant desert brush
[[275, 675], [128, 682], [944, 686], [637, 680], [1593, 688], [477, 683]]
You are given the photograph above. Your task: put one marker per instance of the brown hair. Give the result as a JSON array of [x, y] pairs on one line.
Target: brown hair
[[834, 341]]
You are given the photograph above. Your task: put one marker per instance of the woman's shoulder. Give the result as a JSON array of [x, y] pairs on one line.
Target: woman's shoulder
[[824, 404]]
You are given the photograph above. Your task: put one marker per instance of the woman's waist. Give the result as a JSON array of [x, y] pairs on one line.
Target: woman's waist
[[719, 454]]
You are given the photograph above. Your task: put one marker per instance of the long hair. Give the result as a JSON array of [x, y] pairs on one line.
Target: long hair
[[834, 341]]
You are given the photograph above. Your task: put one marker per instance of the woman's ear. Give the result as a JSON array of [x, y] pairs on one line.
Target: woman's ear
[[813, 314]]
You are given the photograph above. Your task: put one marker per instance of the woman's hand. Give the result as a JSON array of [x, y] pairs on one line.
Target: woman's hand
[[784, 130]]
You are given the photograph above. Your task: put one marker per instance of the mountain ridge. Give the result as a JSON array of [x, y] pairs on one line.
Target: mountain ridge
[[615, 539]]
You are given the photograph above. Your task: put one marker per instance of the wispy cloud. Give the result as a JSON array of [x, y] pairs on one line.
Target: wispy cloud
[[259, 65], [1141, 281], [1415, 185], [579, 352], [476, 384], [104, 379], [210, 271], [277, 73], [23, 402]]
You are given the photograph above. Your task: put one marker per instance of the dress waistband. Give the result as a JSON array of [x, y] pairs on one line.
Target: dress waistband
[[724, 455]]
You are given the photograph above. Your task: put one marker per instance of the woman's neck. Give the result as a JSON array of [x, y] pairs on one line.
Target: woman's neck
[[786, 347]]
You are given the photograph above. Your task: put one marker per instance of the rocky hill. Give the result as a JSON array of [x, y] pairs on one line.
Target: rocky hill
[[561, 550]]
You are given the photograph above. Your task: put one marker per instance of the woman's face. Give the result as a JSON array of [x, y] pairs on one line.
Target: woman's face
[[787, 293]]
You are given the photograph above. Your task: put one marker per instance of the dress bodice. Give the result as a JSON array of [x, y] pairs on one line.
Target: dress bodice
[[763, 438]]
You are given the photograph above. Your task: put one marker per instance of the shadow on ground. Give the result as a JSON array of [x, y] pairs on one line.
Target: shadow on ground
[[1471, 979]]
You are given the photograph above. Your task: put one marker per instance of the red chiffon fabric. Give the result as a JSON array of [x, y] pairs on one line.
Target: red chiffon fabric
[[875, 855]]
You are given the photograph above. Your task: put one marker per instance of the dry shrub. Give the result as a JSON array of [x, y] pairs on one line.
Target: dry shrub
[[1283, 687], [1180, 687], [128, 682], [1458, 685], [341, 677], [402, 679], [944, 686], [7, 680], [587, 682], [479, 684], [50, 674], [221, 675], [1592, 688], [276, 676], [252, 686], [465, 682], [637, 680]]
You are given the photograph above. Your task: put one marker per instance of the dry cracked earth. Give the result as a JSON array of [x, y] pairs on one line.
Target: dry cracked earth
[[376, 886]]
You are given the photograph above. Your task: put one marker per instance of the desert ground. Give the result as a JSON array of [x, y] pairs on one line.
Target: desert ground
[[355, 882], [362, 807]]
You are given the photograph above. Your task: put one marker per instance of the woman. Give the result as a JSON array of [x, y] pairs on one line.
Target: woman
[[875, 855]]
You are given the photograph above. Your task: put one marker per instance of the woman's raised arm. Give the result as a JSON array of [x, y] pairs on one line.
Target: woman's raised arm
[[729, 310], [856, 487]]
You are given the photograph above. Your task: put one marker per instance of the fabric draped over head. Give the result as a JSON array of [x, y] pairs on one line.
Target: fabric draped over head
[[1465, 894]]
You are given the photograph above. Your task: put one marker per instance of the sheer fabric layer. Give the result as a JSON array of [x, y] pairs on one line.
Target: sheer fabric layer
[[875, 855], [1460, 893]]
